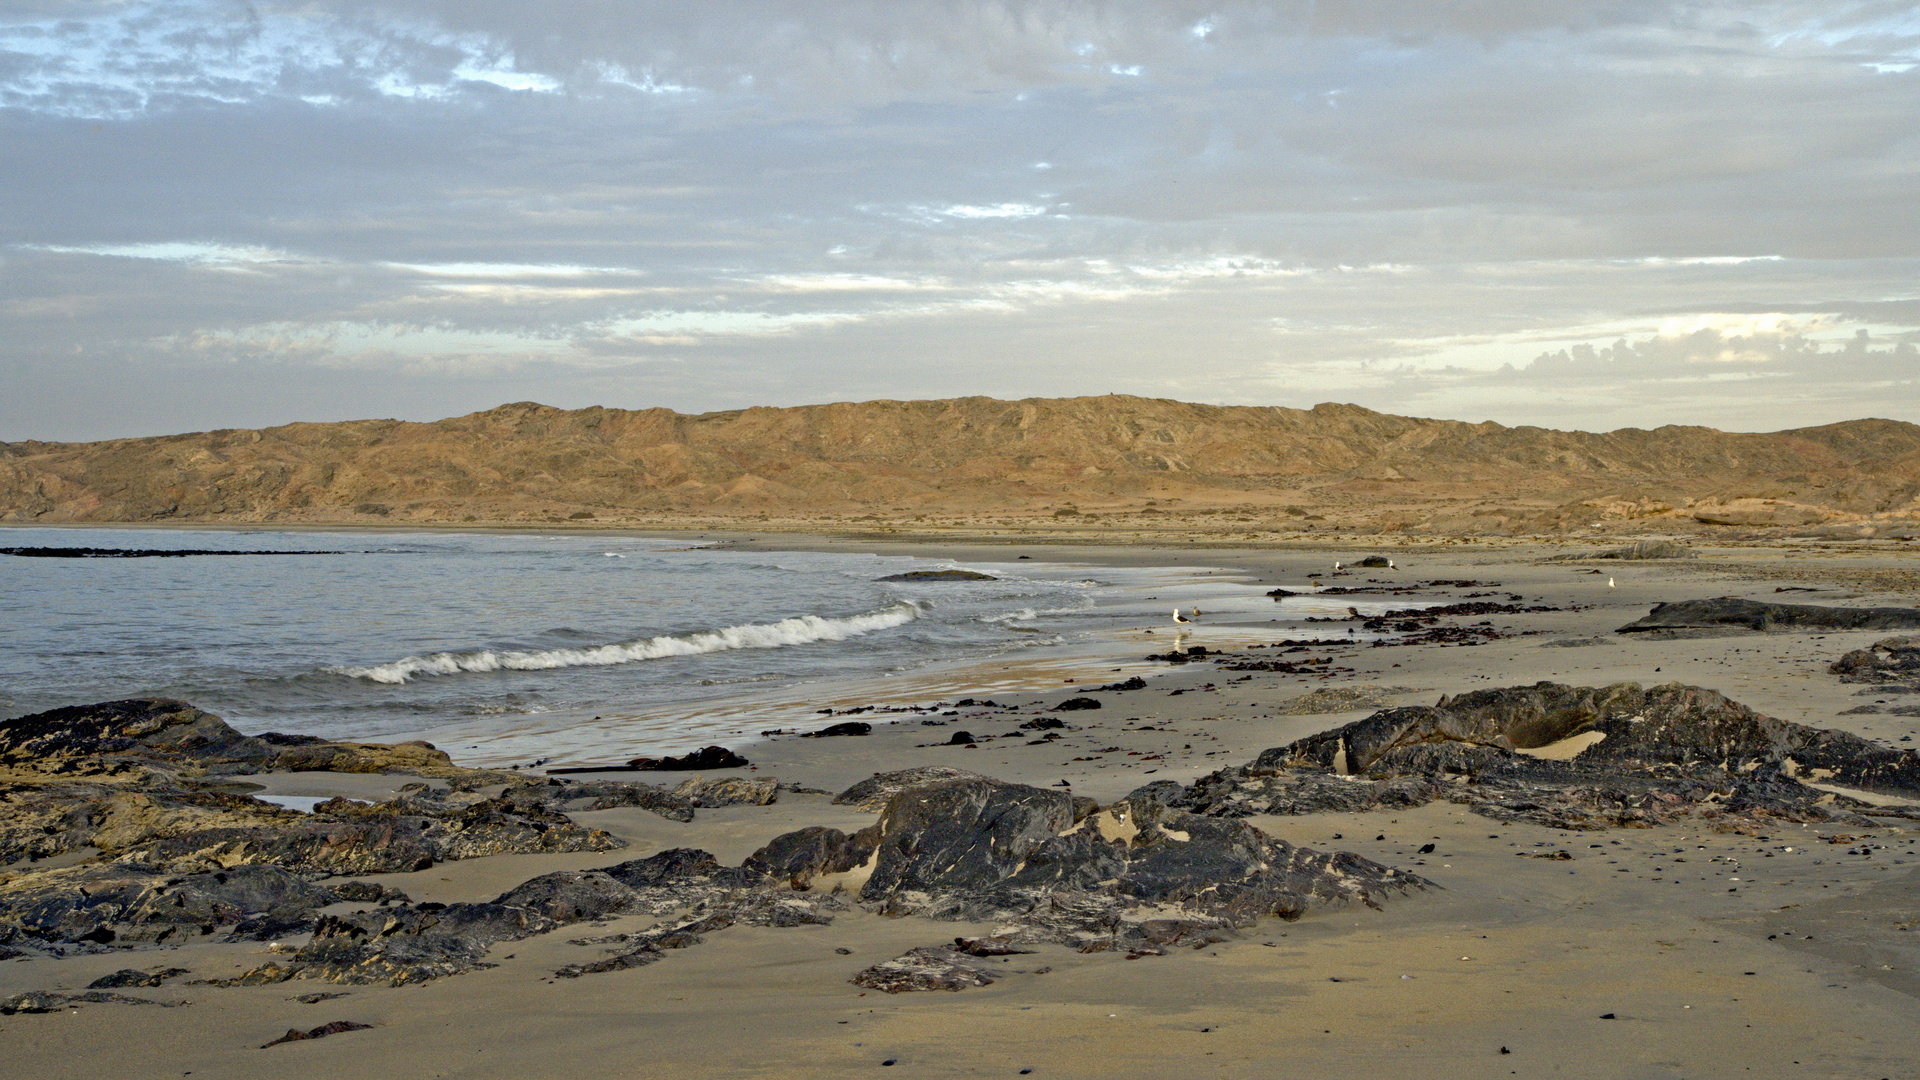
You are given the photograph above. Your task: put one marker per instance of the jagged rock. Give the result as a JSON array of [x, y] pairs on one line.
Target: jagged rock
[[930, 967], [728, 791], [1044, 723], [873, 793], [1894, 659], [106, 904], [1074, 703], [566, 796], [707, 757], [116, 737], [1375, 561], [321, 1032], [804, 854], [1733, 613], [36, 1001], [126, 977], [1571, 757]]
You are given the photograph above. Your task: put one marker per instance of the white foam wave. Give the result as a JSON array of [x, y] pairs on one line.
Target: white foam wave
[[800, 630]]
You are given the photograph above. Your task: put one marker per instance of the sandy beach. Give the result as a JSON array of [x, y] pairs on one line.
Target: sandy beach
[[1671, 951]]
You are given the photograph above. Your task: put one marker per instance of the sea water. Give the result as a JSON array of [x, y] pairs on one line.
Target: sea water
[[503, 648]]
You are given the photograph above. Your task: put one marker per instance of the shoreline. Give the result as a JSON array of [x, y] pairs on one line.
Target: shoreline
[[1635, 951]]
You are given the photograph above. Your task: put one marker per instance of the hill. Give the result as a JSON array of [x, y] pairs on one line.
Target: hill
[[1071, 462]]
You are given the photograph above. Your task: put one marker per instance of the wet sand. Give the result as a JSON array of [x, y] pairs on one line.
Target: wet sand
[[1715, 955]]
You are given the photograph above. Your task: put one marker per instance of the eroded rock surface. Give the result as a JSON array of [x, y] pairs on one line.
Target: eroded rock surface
[[1889, 660], [1733, 613], [1571, 757]]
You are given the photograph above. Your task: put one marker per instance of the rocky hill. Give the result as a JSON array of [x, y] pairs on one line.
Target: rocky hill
[[1071, 462]]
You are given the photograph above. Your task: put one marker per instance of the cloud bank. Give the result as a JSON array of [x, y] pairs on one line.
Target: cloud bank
[[1574, 215]]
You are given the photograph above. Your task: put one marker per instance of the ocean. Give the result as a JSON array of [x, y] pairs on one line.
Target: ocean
[[510, 648]]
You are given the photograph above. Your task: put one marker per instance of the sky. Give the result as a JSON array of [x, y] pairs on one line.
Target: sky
[[1597, 215]]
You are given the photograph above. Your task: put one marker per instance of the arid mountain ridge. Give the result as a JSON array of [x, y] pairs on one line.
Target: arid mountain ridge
[[1069, 463]]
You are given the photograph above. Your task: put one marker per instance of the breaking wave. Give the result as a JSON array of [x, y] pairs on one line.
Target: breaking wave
[[800, 630]]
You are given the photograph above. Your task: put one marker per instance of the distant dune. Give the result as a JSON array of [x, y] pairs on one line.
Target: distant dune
[[1094, 464]]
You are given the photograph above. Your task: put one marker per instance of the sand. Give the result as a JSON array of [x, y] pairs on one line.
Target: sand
[[1715, 955]]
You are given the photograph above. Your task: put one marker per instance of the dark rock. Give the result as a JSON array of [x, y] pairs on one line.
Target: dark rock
[[1894, 659], [566, 796], [1134, 683], [126, 977], [804, 854], [1045, 723], [845, 727], [939, 575], [930, 967], [707, 757], [321, 1032], [960, 738], [874, 793], [1076, 703], [1733, 613], [366, 892], [1374, 561], [1645, 756]]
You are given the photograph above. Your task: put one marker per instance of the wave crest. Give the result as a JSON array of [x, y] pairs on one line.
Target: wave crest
[[799, 630]]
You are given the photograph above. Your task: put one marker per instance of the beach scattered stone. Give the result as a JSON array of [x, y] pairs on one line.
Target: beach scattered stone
[[707, 757], [1727, 613], [1073, 704], [960, 738], [929, 967], [321, 1032], [1044, 723], [1375, 562], [1133, 683]]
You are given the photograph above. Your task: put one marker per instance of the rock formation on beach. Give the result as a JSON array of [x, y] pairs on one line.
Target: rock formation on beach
[[1069, 464], [1574, 757]]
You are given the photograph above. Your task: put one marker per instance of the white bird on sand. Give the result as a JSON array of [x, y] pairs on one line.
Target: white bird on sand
[[1336, 567], [1179, 618], [1609, 583], [1390, 565]]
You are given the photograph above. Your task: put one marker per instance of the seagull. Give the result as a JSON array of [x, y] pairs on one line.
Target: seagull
[[1390, 565], [1336, 567], [1179, 618], [1609, 583]]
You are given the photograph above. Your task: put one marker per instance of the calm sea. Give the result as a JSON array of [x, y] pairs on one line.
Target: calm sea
[[497, 646]]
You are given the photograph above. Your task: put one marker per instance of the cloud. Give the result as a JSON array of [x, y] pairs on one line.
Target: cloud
[[768, 201]]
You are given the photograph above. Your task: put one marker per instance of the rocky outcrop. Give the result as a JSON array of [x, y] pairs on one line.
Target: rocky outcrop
[[1733, 613], [119, 737], [1889, 660], [1571, 757]]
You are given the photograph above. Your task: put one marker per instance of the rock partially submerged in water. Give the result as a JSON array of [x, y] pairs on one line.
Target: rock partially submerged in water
[[1571, 757], [940, 575], [1728, 613]]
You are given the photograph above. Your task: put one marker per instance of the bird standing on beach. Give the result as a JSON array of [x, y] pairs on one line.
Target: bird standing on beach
[[1390, 565], [1609, 583], [1336, 566], [1179, 618]]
